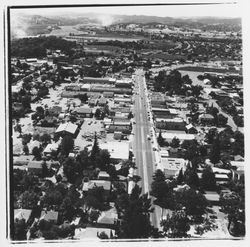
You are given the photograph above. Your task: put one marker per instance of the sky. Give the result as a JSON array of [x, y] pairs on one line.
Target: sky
[[214, 10]]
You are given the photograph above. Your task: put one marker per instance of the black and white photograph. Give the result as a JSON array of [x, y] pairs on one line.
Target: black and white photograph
[[125, 122]]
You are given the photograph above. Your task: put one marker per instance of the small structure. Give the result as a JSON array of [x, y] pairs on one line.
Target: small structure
[[22, 160], [102, 101], [213, 197], [51, 216]]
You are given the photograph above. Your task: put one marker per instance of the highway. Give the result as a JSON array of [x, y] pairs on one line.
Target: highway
[[142, 147]]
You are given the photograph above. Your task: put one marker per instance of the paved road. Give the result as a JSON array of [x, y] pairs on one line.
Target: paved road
[[142, 146]]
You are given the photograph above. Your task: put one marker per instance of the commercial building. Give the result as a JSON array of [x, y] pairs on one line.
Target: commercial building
[[169, 136], [170, 124], [118, 150], [172, 166]]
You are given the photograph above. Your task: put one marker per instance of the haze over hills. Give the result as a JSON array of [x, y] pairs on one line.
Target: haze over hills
[[37, 24]]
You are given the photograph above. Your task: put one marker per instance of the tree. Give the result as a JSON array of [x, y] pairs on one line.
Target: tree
[[29, 200], [103, 235], [83, 97], [136, 220], [196, 90], [97, 113], [19, 229], [67, 209], [95, 149], [70, 169], [94, 215], [45, 138], [180, 177], [67, 144], [214, 154], [160, 139], [222, 120], [37, 153], [208, 181], [177, 225], [211, 135], [26, 149], [191, 178], [175, 143]]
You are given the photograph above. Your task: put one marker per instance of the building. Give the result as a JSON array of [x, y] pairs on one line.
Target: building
[[55, 111], [22, 214], [164, 113], [102, 101], [108, 217], [50, 148], [86, 186], [123, 83], [170, 124], [170, 136], [118, 150], [172, 166], [22, 160], [84, 112], [35, 167], [213, 197], [207, 119], [103, 175], [51, 216], [67, 128], [122, 126], [190, 129], [108, 94]]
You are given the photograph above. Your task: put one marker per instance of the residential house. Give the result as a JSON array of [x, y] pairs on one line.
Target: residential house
[[35, 166], [84, 112], [102, 101], [22, 160], [51, 216], [67, 128], [190, 129], [206, 119], [50, 148], [22, 214]]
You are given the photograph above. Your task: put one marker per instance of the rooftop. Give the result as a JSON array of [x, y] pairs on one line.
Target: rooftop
[[68, 127], [117, 150]]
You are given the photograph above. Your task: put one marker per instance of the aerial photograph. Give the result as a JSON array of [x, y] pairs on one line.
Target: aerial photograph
[[125, 123]]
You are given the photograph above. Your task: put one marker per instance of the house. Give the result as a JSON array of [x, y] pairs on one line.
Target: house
[[190, 129], [123, 83], [118, 150], [35, 167], [102, 101], [84, 112], [97, 183], [92, 102], [170, 124], [108, 94], [67, 128], [172, 166], [22, 214], [238, 170], [206, 119], [108, 217], [51, 216], [212, 197], [103, 175], [49, 148], [22, 160]]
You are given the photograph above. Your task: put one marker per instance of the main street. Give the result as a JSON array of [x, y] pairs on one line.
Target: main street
[[142, 146]]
